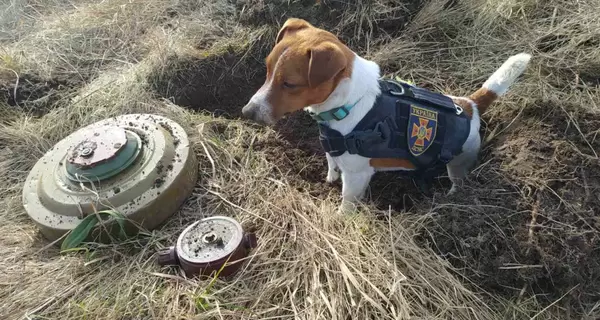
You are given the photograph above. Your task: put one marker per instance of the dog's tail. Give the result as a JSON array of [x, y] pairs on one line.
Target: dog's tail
[[499, 82]]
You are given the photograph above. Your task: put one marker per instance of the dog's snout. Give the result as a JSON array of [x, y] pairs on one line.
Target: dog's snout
[[257, 113], [249, 110]]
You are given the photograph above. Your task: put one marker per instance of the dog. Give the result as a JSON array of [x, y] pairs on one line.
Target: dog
[[310, 68]]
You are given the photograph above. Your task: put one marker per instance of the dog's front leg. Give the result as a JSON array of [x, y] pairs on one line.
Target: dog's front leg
[[354, 186], [332, 169]]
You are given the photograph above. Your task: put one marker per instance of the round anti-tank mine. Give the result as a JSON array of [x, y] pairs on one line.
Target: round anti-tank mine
[[140, 165]]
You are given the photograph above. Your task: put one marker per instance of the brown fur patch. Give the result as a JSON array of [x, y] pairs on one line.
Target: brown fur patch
[[483, 98], [465, 105], [391, 163], [304, 54], [290, 26]]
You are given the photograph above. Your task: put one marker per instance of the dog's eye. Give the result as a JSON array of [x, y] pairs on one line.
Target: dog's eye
[[289, 85]]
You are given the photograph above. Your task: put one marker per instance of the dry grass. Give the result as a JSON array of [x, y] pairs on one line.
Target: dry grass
[[521, 244]]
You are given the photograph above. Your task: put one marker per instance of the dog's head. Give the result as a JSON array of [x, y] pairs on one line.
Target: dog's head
[[304, 67]]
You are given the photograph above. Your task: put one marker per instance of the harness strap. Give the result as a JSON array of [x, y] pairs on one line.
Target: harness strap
[[404, 89], [334, 143], [338, 113], [402, 117]]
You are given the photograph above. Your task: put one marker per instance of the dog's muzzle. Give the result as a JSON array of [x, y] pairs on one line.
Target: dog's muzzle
[[249, 110], [256, 112]]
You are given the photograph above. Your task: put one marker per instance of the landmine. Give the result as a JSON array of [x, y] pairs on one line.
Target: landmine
[[215, 246], [140, 165]]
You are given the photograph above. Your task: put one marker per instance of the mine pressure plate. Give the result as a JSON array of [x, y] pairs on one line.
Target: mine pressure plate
[[209, 245], [141, 165]]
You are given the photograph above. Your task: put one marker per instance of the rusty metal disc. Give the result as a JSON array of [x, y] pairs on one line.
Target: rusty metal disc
[[102, 153], [97, 145], [210, 240], [143, 166], [212, 245]]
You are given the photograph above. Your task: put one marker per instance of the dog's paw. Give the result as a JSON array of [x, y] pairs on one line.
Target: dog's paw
[[452, 191], [332, 176], [347, 207]]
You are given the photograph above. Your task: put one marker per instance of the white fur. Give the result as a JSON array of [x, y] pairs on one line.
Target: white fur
[[261, 104], [507, 74], [362, 88], [458, 167]]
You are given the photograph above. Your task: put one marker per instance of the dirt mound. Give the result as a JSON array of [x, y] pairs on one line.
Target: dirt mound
[[30, 93], [529, 222]]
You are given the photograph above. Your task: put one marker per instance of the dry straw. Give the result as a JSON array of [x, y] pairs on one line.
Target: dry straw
[[527, 221]]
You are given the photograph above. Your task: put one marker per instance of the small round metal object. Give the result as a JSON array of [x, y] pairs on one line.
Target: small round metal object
[[198, 242], [86, 152], [146, 178], [209, 245], [96, 145], [209, 238]]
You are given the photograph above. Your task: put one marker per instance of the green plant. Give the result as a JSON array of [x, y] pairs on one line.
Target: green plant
[[82, 231]]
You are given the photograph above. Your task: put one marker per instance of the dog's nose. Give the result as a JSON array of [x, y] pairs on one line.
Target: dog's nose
[[249, 110], [257, 113]]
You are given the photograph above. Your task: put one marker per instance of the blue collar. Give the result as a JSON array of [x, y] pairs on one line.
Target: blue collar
[[337, 114]]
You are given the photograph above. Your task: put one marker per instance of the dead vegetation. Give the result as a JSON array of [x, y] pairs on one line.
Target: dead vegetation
[[520, 243]]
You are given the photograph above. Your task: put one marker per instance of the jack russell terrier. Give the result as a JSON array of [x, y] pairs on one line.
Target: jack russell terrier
[[369, 124]]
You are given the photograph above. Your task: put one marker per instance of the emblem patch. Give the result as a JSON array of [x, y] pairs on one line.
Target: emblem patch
[[422, 127]]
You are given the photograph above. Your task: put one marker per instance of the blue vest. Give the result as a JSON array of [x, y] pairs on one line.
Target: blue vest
[[406, 122]]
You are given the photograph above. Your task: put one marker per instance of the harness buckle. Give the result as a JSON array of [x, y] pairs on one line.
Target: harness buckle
[[355, 140], [326, 144], [334, 114], [353, 143], [396, 93], [445, 156], [459, 110]]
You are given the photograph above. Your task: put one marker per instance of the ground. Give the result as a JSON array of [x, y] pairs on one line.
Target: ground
[[520, 242]]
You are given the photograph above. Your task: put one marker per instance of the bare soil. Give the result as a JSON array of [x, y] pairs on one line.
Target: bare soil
[[32, 94]]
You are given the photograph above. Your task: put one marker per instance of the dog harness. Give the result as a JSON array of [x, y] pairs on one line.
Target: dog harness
[[406, 122]]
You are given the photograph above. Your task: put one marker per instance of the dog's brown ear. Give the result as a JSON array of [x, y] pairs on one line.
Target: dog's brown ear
[[290, 26], [327, 60]]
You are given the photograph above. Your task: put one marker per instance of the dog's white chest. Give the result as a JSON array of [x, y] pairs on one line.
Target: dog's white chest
[[351, 162]]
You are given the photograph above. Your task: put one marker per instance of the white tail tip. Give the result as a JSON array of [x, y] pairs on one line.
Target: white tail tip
[[507, 74]]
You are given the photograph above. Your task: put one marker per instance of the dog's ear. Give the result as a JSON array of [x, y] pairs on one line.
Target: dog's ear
[[327, 60], [290, 26]]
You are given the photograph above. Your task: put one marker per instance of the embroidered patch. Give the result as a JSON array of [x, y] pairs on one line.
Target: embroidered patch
[[422, 127]]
